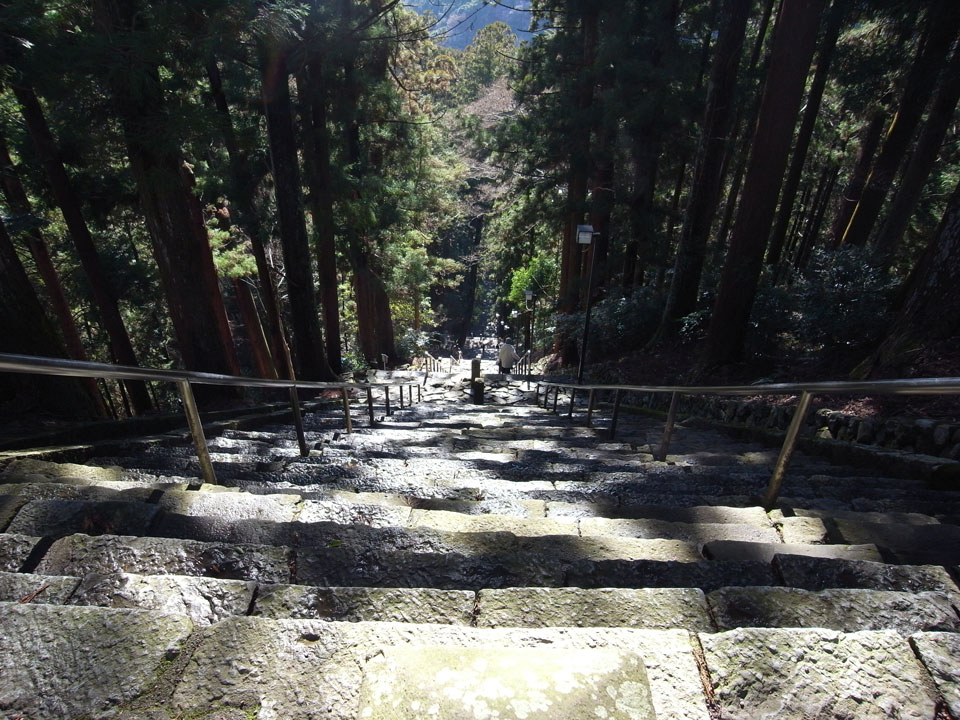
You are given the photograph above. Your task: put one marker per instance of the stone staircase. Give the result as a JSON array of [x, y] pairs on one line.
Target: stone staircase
[[463, 561]]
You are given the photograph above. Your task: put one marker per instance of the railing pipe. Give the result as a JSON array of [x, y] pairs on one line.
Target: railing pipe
[[196, 432], [786, 450], [668, 428], [298, 421], [617, 395]]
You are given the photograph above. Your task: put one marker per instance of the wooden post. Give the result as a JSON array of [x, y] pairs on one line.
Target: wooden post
[[196, 431], [298, 422], [346, 409], [370, 406]]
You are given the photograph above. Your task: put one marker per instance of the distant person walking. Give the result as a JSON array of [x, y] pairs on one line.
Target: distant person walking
[[507, 357]]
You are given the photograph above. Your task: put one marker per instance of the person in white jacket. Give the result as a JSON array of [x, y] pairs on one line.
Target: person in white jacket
[[507, 357]]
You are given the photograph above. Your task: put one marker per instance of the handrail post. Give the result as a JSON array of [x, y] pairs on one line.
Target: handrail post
[[573, 397], [536, 398], [346, 409], [386, 394], [410, 395], [196, 431], [556, 397], [590, 398], [298, 421], [400, 389], [668, 428], [370, 406], [786, 451], [419, 397], [616, 412]]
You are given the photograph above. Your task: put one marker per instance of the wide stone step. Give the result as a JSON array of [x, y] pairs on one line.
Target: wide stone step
[[918, 544], [844, 610]]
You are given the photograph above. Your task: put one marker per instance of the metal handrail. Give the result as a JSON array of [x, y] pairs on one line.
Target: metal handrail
[[919, 386], [184, 379]]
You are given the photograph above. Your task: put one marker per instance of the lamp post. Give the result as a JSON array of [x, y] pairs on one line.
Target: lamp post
[[585, 235], [528, 294]]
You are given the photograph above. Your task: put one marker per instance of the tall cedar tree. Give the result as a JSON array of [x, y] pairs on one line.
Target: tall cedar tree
[[929, 318], [811, 111], [26, 330], [943, 22], [181, 246], [794, 41], [705, 192], [921, 162], [309, 357], [243, 193], [104, 295]]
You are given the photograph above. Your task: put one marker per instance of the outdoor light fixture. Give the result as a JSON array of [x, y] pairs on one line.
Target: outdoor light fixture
[[584, 234], [528, 293]]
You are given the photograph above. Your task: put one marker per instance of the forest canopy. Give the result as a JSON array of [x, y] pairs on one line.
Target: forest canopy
[[298, 189]]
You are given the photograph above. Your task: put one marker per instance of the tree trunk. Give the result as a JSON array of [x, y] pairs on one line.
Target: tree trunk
[[869, 142], [921, 162], [244, 189], [705, 191], [101, 289], [310, 361], [25, 330], [929, 319], [470, 284], [943, 21], [373, 304], [259, 347], [313, 96], [180, 243], [19, 204], [794, 41], [828, 44]]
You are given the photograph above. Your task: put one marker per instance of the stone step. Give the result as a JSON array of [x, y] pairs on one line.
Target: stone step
[[844, 610], [289, 668], [917, 544], [820, 573], [723, 550]]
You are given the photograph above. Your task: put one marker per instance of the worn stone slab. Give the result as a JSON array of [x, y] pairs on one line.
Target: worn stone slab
[[232, 506], [98, 491], [457, 522], [204, 600], [532, 683], [14, 550], [301, 669], [812, 573], [29, 470], [353, 513], [653, 573], [653, 608], [27, 587], [915, 544], [56, 518], [10, 504], [343, 566], [358, 604], [764, 674], [901, 518], [571, 548], [839, 609], [742, 551], [940, 654], [107, 554], [68, 662], [498, 506], [689, 532], [803, 530]]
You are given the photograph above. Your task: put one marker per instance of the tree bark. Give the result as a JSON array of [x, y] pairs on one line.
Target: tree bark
[[943, 21], [309, 357], [25, 330], [811, 111], [705, 191], [104, 295], [244, 183], [19, 204], [929, 319], [850, 196], [921, 162], [181, 247], [794, 42], [313, 95]]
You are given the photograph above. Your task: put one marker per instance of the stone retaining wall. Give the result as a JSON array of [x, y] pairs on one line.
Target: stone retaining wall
[[928, 437]]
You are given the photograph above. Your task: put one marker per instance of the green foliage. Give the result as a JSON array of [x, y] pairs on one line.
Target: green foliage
[[618, 324]]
